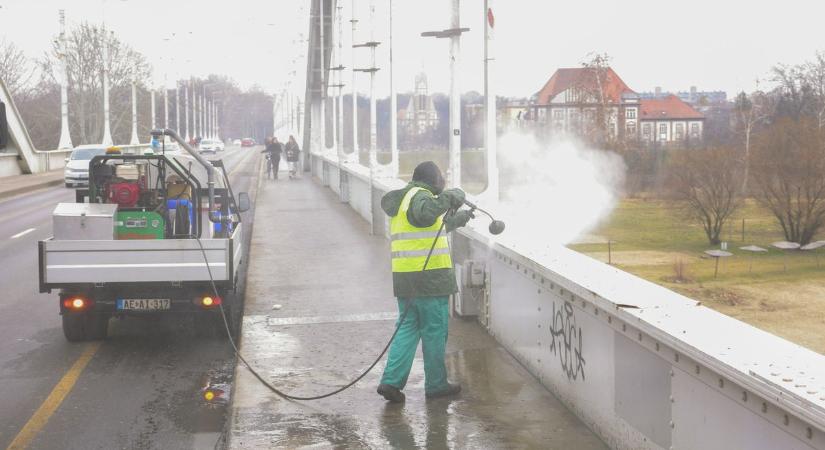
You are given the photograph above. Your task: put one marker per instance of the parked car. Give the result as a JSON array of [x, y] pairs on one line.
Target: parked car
[[236, 142], [76, 172], [247, 142], [212, 146]]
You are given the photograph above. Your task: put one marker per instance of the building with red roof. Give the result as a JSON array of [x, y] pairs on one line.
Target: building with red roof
[[573, 98], [669, 119]]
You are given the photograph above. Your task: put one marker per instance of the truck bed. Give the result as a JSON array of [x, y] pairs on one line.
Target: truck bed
[[72, 262]]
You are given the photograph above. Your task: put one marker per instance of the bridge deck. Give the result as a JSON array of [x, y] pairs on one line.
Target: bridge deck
[[314, 256]]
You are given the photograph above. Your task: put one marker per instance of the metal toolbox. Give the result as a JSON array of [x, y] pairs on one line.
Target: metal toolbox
[[84, 221]]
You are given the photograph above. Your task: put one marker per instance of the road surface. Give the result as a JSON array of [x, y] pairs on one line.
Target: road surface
[[141, 388]]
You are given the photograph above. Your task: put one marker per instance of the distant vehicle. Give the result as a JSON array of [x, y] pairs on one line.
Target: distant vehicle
[[236, 142], [212, 146], [247, 142], [76, 172]]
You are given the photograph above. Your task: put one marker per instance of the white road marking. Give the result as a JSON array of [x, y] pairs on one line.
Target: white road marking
[[23, 233]]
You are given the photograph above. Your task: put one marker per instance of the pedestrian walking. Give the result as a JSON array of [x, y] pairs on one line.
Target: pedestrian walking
[[293, 154], [273, 150], [422, 289]]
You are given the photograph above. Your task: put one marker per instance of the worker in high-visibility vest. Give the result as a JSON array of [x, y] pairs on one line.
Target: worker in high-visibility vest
[[417, 212]]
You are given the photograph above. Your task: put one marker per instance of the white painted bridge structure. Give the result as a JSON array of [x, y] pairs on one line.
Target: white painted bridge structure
[[642, 366]]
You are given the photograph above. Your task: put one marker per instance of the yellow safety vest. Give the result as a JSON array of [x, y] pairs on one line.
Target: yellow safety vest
[[410, 244]]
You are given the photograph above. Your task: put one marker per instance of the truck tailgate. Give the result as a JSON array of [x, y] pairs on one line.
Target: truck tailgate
[[65, 262]]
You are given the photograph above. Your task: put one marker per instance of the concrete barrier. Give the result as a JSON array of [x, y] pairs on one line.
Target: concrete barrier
[[642, 366]]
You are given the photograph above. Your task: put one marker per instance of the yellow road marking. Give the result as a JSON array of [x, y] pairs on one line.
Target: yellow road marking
[[40, 417]]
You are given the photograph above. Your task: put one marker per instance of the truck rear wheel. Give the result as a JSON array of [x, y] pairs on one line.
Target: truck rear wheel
[[85, 326]]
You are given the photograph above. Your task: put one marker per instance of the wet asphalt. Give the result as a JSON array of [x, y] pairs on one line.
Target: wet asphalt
[[319, 309], [143, 389]]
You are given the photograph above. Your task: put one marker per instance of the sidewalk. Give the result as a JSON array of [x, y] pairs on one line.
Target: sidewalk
[[19, 184], [315, 257]]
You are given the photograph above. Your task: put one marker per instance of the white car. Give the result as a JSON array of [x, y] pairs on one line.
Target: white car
[[211, 146], [236, 142], [76, 172]]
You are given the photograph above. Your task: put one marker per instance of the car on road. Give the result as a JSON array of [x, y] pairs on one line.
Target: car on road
[[247, 142], [76, 172], [236, 142], [212, 146]]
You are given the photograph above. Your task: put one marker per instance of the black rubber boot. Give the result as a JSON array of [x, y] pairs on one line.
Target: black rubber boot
[[391, 393], [451, 389]]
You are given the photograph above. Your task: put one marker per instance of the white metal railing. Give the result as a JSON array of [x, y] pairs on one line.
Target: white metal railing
[[642, 366]]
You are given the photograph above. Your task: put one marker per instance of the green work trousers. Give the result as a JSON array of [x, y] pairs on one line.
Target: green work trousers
[[427, 320]]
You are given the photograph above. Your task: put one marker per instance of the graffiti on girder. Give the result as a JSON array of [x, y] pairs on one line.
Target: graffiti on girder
[[566, 341]]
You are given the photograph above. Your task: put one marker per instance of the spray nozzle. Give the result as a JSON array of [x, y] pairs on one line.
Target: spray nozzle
[[496, 226]]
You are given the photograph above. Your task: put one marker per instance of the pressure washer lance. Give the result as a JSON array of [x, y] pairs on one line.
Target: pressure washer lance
[[499, 227], [496, 226]]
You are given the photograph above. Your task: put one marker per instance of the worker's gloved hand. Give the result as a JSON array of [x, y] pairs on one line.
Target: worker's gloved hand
[[455, 196], [460, 218]]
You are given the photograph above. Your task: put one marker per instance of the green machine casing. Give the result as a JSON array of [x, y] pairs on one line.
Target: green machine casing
[[139, 225]]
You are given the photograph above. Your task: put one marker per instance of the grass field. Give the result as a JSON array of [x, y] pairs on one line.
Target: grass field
[[781, 292]]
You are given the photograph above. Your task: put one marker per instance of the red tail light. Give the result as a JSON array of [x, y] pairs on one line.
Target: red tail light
[[77, 303], [209, 301]]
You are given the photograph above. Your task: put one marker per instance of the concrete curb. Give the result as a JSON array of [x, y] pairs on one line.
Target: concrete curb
[[29, 188], [230, 421]]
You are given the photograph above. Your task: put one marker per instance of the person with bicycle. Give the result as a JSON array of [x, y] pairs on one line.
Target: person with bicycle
[[273, 151]]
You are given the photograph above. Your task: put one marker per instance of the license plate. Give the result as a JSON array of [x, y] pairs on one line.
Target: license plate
[[143, 304]]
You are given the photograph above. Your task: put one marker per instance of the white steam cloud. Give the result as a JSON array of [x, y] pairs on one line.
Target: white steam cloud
[[553, 193]]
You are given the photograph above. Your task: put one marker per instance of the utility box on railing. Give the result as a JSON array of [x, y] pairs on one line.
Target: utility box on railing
[[471, 277]]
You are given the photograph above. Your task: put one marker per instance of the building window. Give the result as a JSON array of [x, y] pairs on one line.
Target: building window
[[646, 130], [694, 130], [631, 113], [679, 131], [631, 128], [558, 114], [662, 131]]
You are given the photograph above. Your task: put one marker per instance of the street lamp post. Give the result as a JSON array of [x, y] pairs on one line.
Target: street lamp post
[[373, 125], [454, 34], [134, 140], [393, 108], [165, 104], [354, 155], [371, 44], [177, 106], [107, 132], [152, 108], [65, 141], [490, 132], [186, 109]]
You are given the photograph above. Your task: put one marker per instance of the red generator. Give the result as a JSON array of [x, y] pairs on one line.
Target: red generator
[[124, 194]]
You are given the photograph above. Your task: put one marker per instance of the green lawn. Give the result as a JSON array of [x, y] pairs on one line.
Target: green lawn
[[782, 292]]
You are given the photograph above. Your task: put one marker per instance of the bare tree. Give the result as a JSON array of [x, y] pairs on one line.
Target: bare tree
[[16, 70], [593, 88], [705, 182], [84, 60], [750, 111], [788, 168]]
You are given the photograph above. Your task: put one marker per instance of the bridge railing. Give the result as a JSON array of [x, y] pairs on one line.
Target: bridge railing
[[642, 366]]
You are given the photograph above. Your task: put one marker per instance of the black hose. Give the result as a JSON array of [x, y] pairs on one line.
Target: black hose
[[314, 397]]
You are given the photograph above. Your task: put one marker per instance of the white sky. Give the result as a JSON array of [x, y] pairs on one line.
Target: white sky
[[712, 44]]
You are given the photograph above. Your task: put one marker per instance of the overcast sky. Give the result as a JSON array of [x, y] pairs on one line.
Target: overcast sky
[[712, 44]]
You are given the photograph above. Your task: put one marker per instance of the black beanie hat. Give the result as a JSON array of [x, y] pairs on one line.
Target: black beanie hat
[[429, 173]]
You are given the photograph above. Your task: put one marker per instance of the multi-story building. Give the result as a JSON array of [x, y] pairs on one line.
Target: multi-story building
[[573, 100], [420, 115], [669, 119]]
